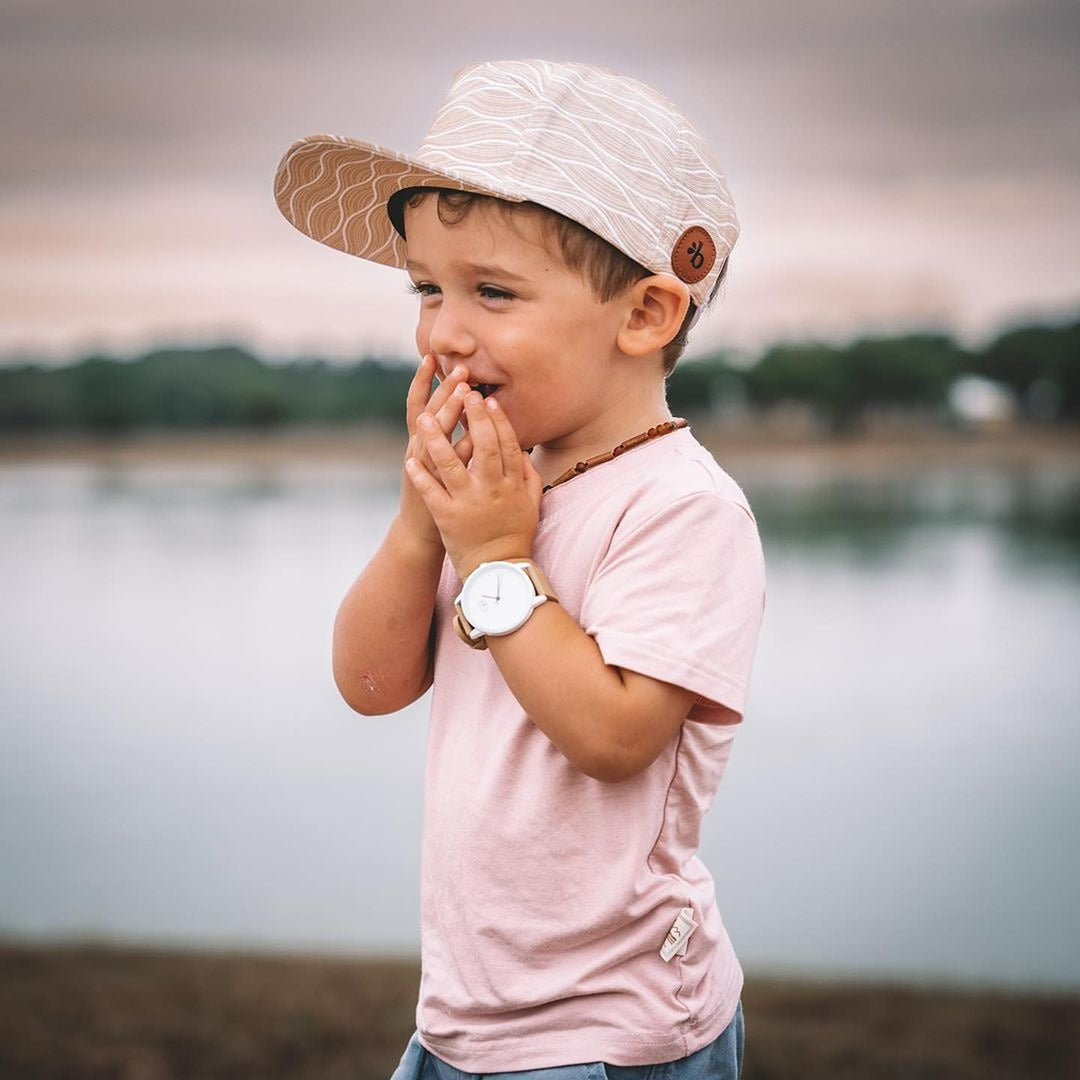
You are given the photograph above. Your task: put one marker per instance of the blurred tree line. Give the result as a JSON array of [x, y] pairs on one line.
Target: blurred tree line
[[228, 387]]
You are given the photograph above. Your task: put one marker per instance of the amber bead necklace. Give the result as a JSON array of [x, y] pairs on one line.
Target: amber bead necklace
[[666, 428]]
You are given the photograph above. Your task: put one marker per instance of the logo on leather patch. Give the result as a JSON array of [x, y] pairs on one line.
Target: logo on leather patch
[[693, 255]]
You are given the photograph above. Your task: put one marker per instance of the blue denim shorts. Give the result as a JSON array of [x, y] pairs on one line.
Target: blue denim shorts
[[720, 1060]]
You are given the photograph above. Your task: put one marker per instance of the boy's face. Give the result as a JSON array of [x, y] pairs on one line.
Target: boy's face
[[495, 297]]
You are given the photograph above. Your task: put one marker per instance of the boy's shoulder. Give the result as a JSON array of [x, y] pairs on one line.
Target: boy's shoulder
[[674, 476], [683, 470]]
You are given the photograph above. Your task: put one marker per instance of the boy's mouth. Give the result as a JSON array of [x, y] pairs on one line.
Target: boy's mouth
[[486, 389]]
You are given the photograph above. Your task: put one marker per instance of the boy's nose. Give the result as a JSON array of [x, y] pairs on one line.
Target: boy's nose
[[448, 335]]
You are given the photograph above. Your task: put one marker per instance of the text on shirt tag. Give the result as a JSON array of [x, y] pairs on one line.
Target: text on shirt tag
[[678, 935]]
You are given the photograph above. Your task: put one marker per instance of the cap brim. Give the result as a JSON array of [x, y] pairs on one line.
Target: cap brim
[[336, 191]]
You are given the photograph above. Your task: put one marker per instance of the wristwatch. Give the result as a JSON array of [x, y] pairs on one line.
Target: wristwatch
[[497, 598]]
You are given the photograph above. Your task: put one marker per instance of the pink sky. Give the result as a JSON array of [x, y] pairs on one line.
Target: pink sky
[[894, 164]]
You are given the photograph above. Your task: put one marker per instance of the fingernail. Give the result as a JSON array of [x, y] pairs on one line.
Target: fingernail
[[491, 403], [458, 371], [461, 389], [426, 420]]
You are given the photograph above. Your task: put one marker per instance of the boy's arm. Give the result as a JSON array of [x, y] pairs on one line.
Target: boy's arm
[[382, 650], [608, 722]]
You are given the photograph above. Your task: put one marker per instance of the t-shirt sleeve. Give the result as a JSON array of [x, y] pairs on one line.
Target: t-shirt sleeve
[[680, 597]]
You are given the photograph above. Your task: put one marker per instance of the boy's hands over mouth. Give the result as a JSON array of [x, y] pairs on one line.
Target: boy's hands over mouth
[[485, 505], [445, 404]]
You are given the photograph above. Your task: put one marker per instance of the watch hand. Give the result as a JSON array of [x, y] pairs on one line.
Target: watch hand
[[484, 596], [498, 586]]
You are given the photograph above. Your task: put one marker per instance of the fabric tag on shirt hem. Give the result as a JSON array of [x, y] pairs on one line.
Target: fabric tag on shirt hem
[[679, 935]]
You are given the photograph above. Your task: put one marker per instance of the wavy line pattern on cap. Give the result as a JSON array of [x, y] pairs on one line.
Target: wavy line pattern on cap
[[604, 150]]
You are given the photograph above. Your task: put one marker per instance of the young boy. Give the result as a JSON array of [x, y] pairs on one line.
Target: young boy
[[577, 577]]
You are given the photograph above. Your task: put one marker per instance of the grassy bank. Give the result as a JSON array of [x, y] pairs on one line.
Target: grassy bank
[[72, 1012]]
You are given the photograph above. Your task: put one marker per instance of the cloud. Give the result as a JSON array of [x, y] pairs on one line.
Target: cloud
[[891, 142], [115, 90]]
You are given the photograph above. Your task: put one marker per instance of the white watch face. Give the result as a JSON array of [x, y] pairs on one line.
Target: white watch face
[[497, 598]]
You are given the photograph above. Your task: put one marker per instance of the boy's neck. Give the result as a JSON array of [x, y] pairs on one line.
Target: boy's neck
[[622, 422]]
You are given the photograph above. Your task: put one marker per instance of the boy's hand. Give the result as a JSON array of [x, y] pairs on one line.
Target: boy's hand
[[488, 508], [445, 404]]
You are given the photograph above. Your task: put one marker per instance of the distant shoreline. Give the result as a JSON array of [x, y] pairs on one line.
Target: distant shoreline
[[97, 1011], [901, 449]]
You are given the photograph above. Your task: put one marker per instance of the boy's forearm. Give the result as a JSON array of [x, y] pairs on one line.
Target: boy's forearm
[[382, 634], [608, 723]]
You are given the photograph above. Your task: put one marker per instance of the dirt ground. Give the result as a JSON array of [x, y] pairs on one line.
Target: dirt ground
[[98, 1011]]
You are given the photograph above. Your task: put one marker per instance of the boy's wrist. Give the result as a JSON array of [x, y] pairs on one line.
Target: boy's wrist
[[514, 552]]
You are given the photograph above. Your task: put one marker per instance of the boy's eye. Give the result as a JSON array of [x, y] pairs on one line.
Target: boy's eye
[[493, 292], [487, 292]]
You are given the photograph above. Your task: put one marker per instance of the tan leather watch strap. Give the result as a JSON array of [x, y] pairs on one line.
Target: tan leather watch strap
[[464, 631], [537, 577]]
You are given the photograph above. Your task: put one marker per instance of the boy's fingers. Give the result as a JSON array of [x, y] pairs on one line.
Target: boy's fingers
[[421, 395], [419, 390], [457, 376], [534, 483], [464, 448], [487, 458], [450, 413], [448, 466], [418, 450], [509, 447], [431, 491]]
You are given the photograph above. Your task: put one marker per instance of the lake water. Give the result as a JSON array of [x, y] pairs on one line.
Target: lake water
[[176, 766]]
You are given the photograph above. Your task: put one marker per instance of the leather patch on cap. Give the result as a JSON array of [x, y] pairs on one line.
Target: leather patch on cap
[[693, 255]]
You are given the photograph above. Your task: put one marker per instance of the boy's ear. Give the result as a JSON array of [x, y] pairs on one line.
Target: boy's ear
[[655, 309]]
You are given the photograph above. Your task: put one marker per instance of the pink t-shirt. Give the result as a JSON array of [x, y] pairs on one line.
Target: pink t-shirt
[[547, 895]]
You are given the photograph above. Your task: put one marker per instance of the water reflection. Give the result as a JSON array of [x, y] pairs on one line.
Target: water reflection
[[177, 763], [1037, 509]]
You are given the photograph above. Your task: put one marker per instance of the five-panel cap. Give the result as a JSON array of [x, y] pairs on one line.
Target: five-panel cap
[[606, 151]]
